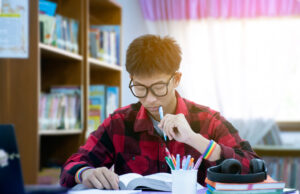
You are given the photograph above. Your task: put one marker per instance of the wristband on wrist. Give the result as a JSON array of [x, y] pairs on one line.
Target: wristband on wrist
[[209, 150], [79, 172], [207, 153]]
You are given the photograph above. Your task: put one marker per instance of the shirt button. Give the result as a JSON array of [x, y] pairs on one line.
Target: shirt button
[[162, 144], [163, 166], [133, 158]]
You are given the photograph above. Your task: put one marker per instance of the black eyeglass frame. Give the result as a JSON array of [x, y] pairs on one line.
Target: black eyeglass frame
[[150, 88]]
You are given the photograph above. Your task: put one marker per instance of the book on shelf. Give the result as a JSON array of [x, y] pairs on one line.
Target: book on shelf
[[284, 168], [94, 118], [103, 100], [158, 181], [94, 43], [60, 109], [47, 7], [269, 183], [104, 43], [97, 98], [112, 99], [47, 26], [272, 137], [59, 31]]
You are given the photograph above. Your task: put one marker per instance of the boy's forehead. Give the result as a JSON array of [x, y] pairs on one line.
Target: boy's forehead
[[150, 79]]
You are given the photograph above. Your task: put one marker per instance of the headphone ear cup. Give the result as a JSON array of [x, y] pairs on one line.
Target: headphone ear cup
[[257, 165], [231, 166]]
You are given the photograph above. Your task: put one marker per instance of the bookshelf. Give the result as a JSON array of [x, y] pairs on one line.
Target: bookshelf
[[283, 161], [22, 81]]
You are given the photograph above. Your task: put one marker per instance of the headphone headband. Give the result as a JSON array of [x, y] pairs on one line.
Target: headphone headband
[[214, 174]]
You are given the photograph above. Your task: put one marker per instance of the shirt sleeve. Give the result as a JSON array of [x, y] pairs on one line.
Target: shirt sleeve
[[232, 146], [98, 151]]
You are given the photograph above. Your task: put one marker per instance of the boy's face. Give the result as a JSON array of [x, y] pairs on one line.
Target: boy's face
[[160, 86]]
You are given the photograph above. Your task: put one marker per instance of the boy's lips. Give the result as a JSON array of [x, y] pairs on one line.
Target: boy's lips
[[153, 109]]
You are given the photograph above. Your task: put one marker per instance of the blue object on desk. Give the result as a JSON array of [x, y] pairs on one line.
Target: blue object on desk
[[11, 179], [161, 115]]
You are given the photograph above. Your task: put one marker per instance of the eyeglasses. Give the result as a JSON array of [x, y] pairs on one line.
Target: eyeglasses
[[157, 89]]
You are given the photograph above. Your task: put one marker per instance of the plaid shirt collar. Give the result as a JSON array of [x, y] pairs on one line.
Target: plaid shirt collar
[[144, 123]]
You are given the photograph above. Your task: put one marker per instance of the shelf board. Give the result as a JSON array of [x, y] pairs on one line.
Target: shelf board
[[101, 64], [48, 51], [106, 4], [60, 131], [277, 150]]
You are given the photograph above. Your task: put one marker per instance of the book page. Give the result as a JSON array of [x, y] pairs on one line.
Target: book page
[[98, 191], [126, 178], [165, 177]]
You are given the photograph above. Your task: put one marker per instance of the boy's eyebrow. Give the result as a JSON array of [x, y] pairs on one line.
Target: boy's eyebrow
[[158, 82]]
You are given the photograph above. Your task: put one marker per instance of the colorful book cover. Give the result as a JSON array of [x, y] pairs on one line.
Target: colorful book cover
[[109, 43], [94, 116], [47, 7], [74, 35], [93, 42], [48, 27], [112, 99], [269, 183], [97, 97], [58, 32]]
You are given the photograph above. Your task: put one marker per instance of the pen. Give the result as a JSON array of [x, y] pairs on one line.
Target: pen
[[192, 167], [183, 162], [170, 163], [168, 152], [198, 162], [190, 164], [177, 161], [187, 162], [161, 115], [173, 159]]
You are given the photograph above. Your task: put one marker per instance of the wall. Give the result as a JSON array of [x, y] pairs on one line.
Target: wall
[[133, 26]]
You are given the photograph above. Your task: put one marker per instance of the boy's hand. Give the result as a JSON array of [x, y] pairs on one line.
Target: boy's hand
[[176, 127], [100, 178]]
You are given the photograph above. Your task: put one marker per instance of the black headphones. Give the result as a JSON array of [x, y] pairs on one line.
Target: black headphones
[[229, 172]]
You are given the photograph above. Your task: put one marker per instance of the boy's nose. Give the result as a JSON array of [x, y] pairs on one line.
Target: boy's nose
[[150, 98]]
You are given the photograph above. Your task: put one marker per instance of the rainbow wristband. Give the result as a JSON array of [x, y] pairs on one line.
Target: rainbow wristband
[[80, 171], [209, 150]]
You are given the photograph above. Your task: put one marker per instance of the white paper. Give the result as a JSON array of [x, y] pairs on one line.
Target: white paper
[[13, 28], [97, 191]]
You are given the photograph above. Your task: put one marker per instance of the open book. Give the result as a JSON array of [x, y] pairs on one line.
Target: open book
[[158, 181]]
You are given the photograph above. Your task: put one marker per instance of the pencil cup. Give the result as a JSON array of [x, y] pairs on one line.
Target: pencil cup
[[184, 181]]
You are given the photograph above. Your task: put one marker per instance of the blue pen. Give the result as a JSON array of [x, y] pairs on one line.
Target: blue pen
[[161, 115], [177, 161], [187, 162]]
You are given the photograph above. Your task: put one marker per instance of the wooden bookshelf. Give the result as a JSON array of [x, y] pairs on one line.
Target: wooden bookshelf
[[23, 80], [50, 52], [60, 132], [277, 151], [104, 65], [289, 126]]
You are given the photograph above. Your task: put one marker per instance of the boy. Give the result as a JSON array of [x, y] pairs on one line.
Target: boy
[[132, 138]]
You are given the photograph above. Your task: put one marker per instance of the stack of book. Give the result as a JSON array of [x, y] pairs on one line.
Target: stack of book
[[284, 168], [104, 43], [60, 109], [268, 186], [57, 30], [103, 100]]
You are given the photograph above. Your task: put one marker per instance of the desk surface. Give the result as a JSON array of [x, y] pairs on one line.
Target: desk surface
[[201, 191]]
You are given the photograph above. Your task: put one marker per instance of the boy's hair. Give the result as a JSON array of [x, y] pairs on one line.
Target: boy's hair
[[150, 54]]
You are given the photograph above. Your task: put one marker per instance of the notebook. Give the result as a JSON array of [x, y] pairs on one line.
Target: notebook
[[11, 179]]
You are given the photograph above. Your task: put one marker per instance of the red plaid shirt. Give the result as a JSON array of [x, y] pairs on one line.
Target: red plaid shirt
[[128, 140]]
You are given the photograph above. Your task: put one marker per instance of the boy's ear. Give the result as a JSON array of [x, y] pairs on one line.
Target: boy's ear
[[177, 78]]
